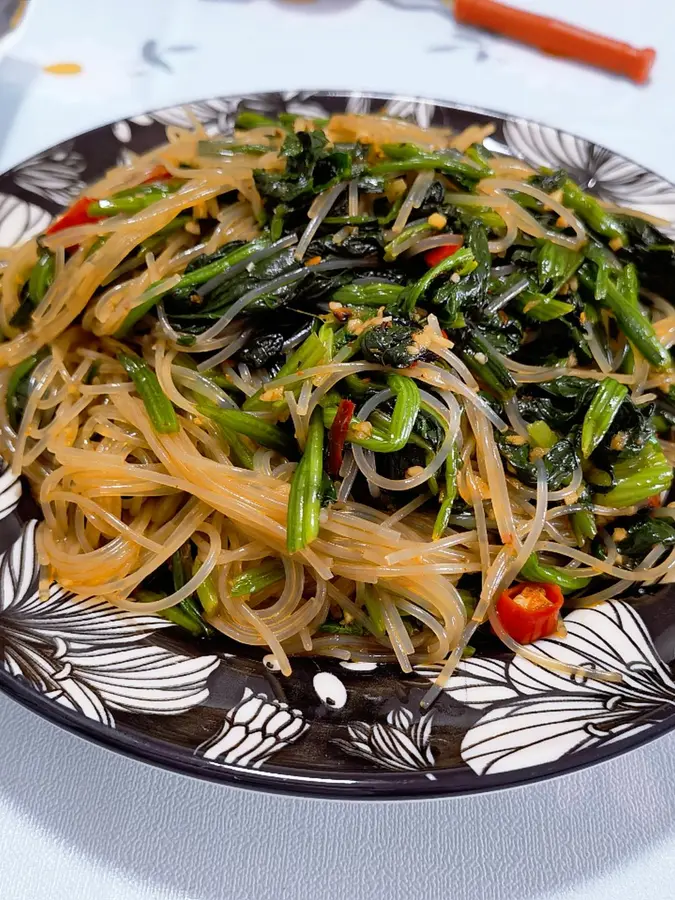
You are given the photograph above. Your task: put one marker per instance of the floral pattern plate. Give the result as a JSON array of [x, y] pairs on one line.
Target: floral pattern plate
[[215, 709]]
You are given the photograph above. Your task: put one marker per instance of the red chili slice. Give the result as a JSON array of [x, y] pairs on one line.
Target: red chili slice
[[78, 214], [338, 435], [438, 254], [529, 611]]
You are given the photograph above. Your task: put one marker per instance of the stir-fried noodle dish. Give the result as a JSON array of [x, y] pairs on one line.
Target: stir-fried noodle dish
[[349, 388]]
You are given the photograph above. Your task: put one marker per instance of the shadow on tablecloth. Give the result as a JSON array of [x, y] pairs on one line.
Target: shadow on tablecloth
[[197, 839]]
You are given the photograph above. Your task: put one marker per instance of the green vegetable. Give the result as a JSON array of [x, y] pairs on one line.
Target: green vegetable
[[584, 526], [628, 284], [304, 504], [449, 493], [366, 594], [542, 308], [461, 259], [479, 355], [207, 593], [639, 477], [39, 282], [193, 278], [560, 461], [403, 418], [264, 433], [407, 157], [17, 388], [600, 414], [556, 265], [537, 571], [181, 570], [253, 580], [247, 120], [349, 220], [327, 337], [337, 628], [157, 404], [311, 168], [542, 435], [391, 345], [642, 532], [595, 215], [310, 353], [631, 320], [637, 327], [178, 615], [241, 453], [419, 229], [470, 293], [381, 293], [226, 148], [135, 199]]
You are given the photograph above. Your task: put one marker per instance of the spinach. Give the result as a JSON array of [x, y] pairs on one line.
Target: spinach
[[17, 387], [557, 416], [262, 350], [652, 252], [356, 246], [561, 403], [570, 388], [260, 272], [560, 461], [555, 266], [428, 429], [337, 628], [630, 431], [470, 292], [503, 336], [433, 199], [310, 168], [328, 490], [391, 345], [642, 533], [205, 259], [395, 465], [549, 180]]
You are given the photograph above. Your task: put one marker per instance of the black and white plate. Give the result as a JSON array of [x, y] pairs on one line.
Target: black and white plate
[[213, 709]]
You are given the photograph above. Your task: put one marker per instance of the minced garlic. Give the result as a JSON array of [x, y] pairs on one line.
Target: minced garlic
[[437, 221], [413, 471], [362, 430], [272, 394]]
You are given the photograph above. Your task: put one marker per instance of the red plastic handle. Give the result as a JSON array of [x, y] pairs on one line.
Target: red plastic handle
[[557, 38]]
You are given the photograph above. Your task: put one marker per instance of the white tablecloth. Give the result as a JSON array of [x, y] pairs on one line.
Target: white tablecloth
[[78, 822]]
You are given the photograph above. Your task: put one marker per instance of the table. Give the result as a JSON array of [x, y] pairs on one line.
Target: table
[[77, 821]]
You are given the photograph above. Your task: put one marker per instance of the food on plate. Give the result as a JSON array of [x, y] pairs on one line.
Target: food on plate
[[345, 387]]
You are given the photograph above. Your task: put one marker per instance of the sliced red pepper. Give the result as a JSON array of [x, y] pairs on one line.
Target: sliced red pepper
[[438, 254], [529, 611], [159, 173], [654, 501], [338, 435], [78, 214]]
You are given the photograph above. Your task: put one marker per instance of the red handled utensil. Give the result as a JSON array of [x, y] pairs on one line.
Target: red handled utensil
[[556, 37]]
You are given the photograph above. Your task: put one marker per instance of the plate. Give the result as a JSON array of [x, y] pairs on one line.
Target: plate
[[214, 709]]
